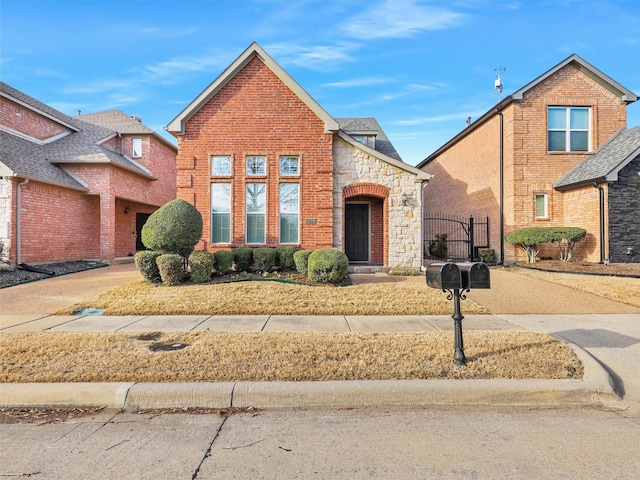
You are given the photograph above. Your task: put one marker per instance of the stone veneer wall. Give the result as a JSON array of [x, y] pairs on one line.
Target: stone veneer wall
[[351, 166], [624, 215]]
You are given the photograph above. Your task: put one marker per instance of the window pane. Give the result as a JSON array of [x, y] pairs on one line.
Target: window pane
[[541, 206], [289, 198], [220, 197], [256, 197], [288, 228], [136, 147], [221, 165], [557, 141], [579, 141], [579, 119], [289, 166], [255, 228], [256, 166], [220, 227], [557, 118], [220, 213]]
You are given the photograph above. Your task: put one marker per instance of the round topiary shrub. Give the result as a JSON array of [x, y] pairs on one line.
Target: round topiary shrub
[[264, 258], [243, 258], [146, 264], [170, 266], [327, 265], [301, 259], [175, 227], [202, 266], [284, 257]]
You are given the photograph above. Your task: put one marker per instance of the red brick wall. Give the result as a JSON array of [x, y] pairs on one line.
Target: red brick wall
[[256, 114], [58, 224], [467, 174], [23, 120]]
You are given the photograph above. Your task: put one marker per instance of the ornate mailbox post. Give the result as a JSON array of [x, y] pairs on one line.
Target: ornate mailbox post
[[452, 278]]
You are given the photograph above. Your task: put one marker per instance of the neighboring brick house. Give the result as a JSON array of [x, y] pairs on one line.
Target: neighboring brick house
[[76, 187], [267, 166], [529, 162]]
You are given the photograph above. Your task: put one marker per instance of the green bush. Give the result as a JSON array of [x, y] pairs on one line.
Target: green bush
[[223, 261], [202, 266], [170, 266], [284, 257], [264, 258], [243, 258], [146, 264], [176, 227], [438, 247], [529, 239], [327, 265], [301, 260], [487, 255]]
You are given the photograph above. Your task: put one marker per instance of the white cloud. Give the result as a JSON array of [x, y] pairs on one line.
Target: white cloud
[[439, 118], [400, 19], [358, 82], [315, 57]]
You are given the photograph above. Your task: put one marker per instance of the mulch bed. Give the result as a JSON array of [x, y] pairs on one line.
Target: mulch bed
[[11, 277], [589, 268]]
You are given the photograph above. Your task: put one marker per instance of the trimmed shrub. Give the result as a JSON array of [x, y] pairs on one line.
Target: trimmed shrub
[[487, 255], [176, 227], [243, 258], [223, 261], [146, 264], [327, 265], [529, 239], [438, 247], [301, 259], [264, 258], [170, 266], [284, 257], [202, 266]]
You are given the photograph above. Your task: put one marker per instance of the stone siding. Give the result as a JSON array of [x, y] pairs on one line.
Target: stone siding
[[624, 215]]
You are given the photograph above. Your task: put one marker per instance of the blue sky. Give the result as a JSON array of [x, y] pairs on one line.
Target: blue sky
[[420, 67]]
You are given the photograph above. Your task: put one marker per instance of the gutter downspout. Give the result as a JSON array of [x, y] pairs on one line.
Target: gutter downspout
[[601, 198], [19, 220], [501, 187]]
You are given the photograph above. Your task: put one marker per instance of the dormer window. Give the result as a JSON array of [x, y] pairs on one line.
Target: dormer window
[[136, 147], [368, 140]]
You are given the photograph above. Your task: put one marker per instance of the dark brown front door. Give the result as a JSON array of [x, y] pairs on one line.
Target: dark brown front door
[[357, 232], [141, 219]]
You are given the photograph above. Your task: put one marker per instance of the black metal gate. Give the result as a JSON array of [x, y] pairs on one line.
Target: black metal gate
[[451, 237]]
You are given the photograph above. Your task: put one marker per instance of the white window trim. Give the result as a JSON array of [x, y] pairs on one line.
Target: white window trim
[[545, 215], [133, 148], [213, 174], [567, 131], [289, 174]]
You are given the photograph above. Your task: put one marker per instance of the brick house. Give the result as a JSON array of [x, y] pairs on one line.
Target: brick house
[[76, 187], [535, 157], [266, 165]]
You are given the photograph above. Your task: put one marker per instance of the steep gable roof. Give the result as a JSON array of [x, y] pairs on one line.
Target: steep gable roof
[[625, 95], [176, 126], [369, 125], [606, 162]]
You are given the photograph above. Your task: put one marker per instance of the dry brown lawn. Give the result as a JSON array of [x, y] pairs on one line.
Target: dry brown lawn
[[273, 298], [214, 356], [620, 289]]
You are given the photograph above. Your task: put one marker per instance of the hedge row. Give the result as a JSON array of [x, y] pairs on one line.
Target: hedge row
[[323, 265]]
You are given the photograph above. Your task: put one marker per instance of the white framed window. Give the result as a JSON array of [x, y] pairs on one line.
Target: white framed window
[[256, 205], [256, 165], [569, 129], [542, 205], [220, 165], [220, 213], [289, 213], [136, 147], [289, 165]]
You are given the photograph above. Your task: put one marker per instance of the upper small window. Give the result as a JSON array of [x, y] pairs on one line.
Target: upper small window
[[569, 129], [220, 165], [289, 166], [256, 166], [136, 147]]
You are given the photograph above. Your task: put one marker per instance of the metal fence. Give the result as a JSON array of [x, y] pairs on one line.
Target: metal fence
[[452, 237]]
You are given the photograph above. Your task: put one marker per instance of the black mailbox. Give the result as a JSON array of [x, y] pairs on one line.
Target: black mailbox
[[474, 275], [444, 276]]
